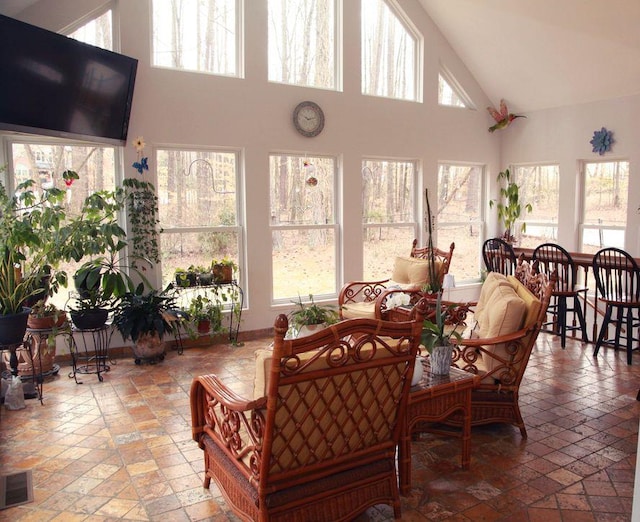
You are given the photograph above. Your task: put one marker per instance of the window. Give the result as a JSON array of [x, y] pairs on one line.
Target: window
[[97, 31], [450, 93], [302, 42], [390, 52], [303, 226], [389, 215], [198, 208], [197, 35], [460, 217], [45, 162], [539, 185], [605, 198]]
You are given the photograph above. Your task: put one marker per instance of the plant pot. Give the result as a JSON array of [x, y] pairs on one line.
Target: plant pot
[[205, 279], [148, 347], [204, 326], [222, 273], [308, 329], [42, 362], [441, 359], [13, 327], [90, 319], [186, 279], [46, 323]]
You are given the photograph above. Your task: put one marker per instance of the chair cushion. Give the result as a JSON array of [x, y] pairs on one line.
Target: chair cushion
[[532, 303], [414, 271], [360, 309], [493, 281]]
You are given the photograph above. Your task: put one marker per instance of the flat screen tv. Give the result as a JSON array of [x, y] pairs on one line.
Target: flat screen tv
[[54, 85]]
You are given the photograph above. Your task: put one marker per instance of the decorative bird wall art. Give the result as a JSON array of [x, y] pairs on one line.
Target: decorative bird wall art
[[503, 118]]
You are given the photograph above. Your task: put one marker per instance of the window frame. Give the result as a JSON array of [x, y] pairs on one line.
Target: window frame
[[335, 227]]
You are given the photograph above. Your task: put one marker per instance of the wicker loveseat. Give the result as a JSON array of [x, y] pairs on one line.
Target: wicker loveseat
[[368, 298], [506, 322], [318, 440]]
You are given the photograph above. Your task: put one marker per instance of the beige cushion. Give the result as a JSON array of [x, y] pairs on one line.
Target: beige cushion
[[532, 303], [493, 281], [412, 270], [504, 314], [361, 309]]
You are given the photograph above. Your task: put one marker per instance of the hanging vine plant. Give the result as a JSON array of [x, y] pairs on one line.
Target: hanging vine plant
[[142, 210]]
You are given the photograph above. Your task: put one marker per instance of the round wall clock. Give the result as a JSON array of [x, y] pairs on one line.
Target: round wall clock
[[308, 119]]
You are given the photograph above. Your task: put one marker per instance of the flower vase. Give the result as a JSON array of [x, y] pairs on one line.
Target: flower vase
[[441, 360]]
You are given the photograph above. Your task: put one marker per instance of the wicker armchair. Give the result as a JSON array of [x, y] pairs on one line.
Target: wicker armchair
[[321, 443], [368, 298], [502, 360]]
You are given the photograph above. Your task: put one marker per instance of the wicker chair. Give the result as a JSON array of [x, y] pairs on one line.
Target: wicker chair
[[368, 298], [321, 443], [502, 360]]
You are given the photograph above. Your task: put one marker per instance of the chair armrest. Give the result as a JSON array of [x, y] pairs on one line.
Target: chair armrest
[[506, 353], [235, 424], [381, 300], [364, 291]]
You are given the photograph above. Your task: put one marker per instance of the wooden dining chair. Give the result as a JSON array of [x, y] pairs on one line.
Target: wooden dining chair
[[618, 284], [498, 256], [565, 299]]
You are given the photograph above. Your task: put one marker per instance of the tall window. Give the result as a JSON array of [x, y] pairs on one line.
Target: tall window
[[460, 217], [97, 31], [303, 226], [197, 35], [605, 199], [198, 208], [390, 51], [389, 216], [302, 42], [45, 162], [539, 185]]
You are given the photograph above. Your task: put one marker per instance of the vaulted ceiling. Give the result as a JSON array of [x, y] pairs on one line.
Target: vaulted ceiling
[[535, 54]]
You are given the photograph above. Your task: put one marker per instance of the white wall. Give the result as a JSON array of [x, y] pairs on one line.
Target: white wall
[[190, 109]]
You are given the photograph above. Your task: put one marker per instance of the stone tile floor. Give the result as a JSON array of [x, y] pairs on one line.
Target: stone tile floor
[[122, 449]]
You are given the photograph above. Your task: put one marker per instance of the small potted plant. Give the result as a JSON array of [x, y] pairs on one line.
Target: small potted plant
[[204, 275], [307, 317], [223, 270], [436, 338], [145, 318], [186, 278], [45, 316], [205, 316]]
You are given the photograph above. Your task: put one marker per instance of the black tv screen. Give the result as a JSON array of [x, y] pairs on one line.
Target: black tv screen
[[54, 85]]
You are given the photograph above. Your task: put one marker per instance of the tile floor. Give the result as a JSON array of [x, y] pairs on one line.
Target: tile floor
[[122, 449]]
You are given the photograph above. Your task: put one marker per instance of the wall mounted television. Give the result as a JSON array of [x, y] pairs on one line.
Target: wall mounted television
[[56, 86]]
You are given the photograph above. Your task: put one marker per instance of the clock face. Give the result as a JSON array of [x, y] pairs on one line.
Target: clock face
[[308, 119]]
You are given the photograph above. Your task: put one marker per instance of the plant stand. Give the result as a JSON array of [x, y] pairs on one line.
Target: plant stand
[[89, 353]]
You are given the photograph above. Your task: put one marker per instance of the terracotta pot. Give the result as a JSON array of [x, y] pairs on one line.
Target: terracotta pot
[[149, 347], [46, 323], [204, 326], [222, 273]]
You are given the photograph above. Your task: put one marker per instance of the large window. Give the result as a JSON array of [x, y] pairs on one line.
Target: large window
[[605, 198], [389, 217], [539, 186], [390, 51], [304, 232], [198, 208], [303, 42], [45, 162], [197, 35], [460, 217]]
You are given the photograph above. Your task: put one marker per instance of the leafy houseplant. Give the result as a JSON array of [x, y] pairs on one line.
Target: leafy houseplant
[[223, 270], [509, 207], [205, 315], [311, 314], [142, 210], [145, 318]]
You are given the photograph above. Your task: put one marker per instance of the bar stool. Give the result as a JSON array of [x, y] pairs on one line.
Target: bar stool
[[498, 256], [618, 283], [550, 257]]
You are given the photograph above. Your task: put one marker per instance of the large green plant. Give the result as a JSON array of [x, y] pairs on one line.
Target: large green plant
[[141, 313], [509, 206]]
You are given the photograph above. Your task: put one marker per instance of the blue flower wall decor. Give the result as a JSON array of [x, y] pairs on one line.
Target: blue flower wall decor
[[601, 141]]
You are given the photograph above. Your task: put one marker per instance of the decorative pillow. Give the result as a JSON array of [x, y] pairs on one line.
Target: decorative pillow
[[412, 270], [493, 280], [531, 301]]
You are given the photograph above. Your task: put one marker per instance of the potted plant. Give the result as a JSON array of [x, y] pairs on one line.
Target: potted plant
[[509, 207], [186, 278], [436, 338], [45, 316], [205, 316], [145, 318], [204, 275], [307, 317], [223, 270]]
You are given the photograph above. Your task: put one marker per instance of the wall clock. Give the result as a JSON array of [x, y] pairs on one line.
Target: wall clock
[[308, 119]]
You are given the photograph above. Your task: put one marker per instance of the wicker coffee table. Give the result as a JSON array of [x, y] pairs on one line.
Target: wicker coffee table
[[434, 399]]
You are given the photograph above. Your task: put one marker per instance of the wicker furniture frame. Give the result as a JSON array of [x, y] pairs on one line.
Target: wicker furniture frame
[[366, 291], [321, 444], [495, 399]]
